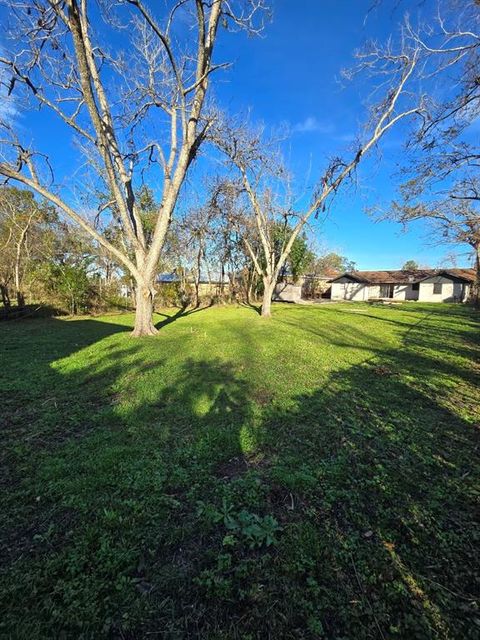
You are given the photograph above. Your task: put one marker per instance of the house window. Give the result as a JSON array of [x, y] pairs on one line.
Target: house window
[[416, 286], [437, 288]]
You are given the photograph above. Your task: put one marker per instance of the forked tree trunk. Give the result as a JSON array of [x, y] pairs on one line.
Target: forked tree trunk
[[268, 287], [144, 311]]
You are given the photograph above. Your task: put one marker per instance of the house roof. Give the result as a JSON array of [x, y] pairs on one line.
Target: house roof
[[406, 277], [464, 274]]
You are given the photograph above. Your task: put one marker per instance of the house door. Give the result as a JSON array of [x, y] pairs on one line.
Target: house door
[[386, 291]]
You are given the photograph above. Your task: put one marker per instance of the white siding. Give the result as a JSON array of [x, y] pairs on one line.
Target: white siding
[[287, 292], [345, 289], [348, 290], [411, 293], [451, 291], [405, 292], [400, 292]]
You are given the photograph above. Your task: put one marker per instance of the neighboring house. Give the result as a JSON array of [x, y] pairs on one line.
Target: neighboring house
[[167, 278], [309, 286], [424, 285], [212, 285], [287, 292]]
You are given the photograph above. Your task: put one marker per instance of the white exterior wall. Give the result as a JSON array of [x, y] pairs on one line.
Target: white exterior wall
[[285, 292], [451, 291], [405, 292], [410, 293], [400, 292], [345, 289]]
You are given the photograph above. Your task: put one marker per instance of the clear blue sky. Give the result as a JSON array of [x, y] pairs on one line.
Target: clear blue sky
[[292, 75]]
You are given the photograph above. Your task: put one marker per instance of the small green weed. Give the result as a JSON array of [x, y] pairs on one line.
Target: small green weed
[[309, 477], [254, 530]]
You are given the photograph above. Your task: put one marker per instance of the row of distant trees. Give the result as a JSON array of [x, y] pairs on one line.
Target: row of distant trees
[[47, 262], [139, 111], [44, 261]]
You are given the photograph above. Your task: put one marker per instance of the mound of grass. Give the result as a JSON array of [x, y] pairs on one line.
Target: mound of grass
[[312, 476]]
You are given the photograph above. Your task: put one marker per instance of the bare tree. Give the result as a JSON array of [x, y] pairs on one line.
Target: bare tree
[[196, 231], [450, 49], [137, 112], [246, 153], [452, 219], [441, 183], [235, 237]]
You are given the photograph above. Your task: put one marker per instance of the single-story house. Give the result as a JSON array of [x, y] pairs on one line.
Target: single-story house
[[207, 286], [305, 287], [424, 285], [211, 284]]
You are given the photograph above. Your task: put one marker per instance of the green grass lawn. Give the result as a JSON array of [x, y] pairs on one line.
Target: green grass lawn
[[313, 476]]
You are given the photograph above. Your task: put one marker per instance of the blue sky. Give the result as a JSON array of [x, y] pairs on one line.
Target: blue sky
[[291, 76]]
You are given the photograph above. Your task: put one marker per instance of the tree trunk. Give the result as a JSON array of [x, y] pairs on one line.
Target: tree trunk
[[222, 287], [18, 293], [132, 293], [5, 296], [268, 287], [476, 285], [144, 311], [197, 289], [251, 283]]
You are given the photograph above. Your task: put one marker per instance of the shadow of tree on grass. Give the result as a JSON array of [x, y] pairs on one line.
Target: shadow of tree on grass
[[124, 465]]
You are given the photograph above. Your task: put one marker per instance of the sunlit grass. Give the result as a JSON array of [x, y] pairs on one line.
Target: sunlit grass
[[306, 477]]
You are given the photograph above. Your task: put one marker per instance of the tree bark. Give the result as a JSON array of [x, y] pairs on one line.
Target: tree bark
[[250, 284], [19, 294], [197, 289], [144, 311], [197, 275], [268, 287], [5, 296], [476, 285]]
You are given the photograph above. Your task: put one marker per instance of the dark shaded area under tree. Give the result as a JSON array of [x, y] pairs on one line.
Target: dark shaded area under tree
[[115, 511]]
